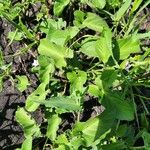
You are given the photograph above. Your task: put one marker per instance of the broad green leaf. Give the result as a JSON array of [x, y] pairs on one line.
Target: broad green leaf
[[94, 22], [49, 24], [56, 52], [119, 14], [108, 76], [94, 90], [124, 109], [29, 125], [95, 128], [104, 46], [88, 46], [59, 6], [72, 31], [22, 83], [53, 125], [128, 46], [67, 103], [100, 4], [146, 138], [77, 79], [79, 18], [39, 95], [27, 144], [58, 37]]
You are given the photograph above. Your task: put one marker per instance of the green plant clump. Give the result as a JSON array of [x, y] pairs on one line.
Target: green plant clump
[[89, 48]]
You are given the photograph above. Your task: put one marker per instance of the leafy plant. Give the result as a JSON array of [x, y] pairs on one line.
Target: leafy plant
[[97, 53]]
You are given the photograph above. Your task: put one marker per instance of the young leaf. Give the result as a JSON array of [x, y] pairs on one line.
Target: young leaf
[[22, 83], [53, 125], [29, 125], [119, 14], [104, 46], [77, 79], [59, 6], [94, 22], [56, 52], [66, 103]]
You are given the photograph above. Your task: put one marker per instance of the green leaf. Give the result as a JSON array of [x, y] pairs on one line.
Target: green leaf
[[27, 144], [22, 83], [17, 36], [119, 14], [45, 73], [39, 95], [59, 6], [56, 52], [146, 138], [29, 125], [128, 46], [67, 103], [114, 146], [94, 90], [53, 125], [94, 22], [135, 5], [108, 76], [79, 18], [113, 3], [100, 4], [88, 46], [95, 128], [124, 109], [58, 37], [104, 46], [77, 79], [1, 58]]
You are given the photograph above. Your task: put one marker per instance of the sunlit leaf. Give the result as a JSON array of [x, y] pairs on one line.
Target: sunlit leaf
[[67, 103], [119, 14], [56, 52], [128, 46], [88, 46], [39, 94], [22, 83], [29, 125], [104, 46], [53, 125], [59, 6], [77, 79], [27, 144]]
